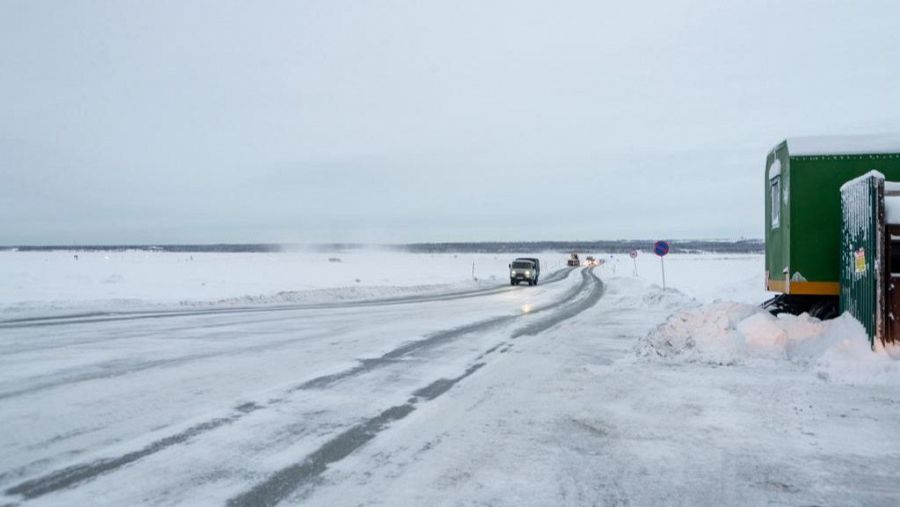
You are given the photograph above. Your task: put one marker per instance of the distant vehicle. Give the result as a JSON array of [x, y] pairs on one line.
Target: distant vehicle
[[527, 269], [590, 261], [574, 261]]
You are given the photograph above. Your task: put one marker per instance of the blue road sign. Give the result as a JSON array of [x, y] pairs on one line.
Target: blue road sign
[[661, 248]]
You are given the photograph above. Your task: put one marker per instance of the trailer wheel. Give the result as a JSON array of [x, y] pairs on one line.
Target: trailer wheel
[[820, 307], [824, 309]]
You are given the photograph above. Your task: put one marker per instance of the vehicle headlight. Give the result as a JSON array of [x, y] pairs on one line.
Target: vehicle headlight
[[527, 273], [512, 273]]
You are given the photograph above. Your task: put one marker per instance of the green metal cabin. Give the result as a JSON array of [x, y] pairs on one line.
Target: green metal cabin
[[803, 206]]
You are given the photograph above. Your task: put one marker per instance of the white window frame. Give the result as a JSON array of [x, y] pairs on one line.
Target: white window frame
[[775, 198]]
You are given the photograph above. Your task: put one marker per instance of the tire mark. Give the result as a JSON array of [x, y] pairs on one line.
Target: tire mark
[[273, 488], [556, 276], [118, 368], [596, 292], [95, 317], [52, 342], [70, 476], [439, 338], [284, 482]]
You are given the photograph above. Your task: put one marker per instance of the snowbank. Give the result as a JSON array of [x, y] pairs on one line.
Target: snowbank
[[729, 333]]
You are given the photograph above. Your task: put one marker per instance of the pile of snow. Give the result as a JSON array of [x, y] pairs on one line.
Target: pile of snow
[[702, 334], [625, 292], [729, 333]]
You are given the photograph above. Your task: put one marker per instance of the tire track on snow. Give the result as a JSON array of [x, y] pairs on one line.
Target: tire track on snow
[[285, 481]]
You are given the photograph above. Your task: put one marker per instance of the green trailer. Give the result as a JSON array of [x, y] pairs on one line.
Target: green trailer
[[803, 214]]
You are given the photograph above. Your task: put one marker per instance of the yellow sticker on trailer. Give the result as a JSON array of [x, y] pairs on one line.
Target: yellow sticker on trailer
[[860, 260]]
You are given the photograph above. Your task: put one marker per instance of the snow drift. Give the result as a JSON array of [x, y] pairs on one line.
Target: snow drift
[[728, 333]]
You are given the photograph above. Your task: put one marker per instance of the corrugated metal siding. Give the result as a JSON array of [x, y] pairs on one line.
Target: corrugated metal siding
[[861, 218]]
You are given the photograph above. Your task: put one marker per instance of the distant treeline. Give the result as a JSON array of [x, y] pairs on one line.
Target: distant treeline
[[227, 248], [605, 246]]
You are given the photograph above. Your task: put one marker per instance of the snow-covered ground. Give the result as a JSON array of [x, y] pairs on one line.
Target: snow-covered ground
[[47, 282], [589, 389], [51, 282], [705, 277]]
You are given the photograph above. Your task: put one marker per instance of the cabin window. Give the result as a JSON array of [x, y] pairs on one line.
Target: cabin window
[[775, 189]]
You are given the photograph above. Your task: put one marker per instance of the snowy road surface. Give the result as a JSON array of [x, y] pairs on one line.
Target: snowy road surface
[[241, 405], [493, 395]]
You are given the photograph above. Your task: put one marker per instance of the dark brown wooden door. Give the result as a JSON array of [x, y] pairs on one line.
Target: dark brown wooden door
[[892, 282]]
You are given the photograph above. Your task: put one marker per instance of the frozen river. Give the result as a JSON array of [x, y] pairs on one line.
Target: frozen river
[[456, 394], [245, 405]]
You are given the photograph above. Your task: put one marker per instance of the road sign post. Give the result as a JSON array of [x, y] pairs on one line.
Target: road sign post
[[633, 254], [661, 248]]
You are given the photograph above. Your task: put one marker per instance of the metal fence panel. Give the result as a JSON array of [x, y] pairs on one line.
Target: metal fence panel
[[862, 249]]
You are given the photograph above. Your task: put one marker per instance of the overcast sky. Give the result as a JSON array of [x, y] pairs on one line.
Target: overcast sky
[[380, 121]]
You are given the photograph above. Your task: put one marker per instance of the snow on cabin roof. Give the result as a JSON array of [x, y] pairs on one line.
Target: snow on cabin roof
[[861, 177], [890, 187], [844, 145]]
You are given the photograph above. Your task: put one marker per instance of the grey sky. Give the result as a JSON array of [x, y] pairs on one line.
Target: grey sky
[[189, 121]]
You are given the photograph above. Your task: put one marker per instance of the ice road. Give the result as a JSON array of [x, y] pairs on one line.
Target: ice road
[[478, 395], [244, 406]]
